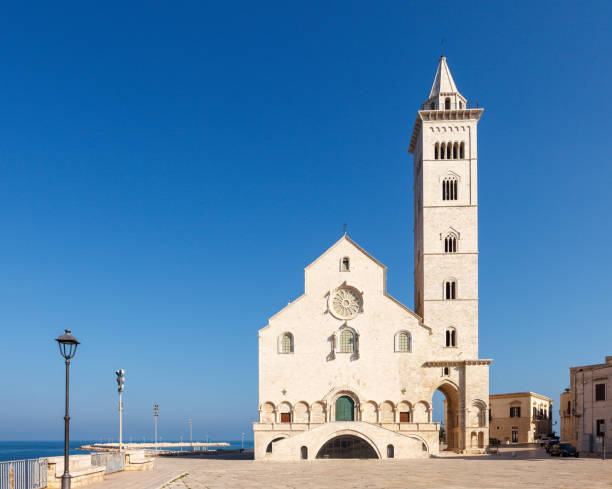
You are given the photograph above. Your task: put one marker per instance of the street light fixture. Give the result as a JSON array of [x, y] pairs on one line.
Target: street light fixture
[[67, 347], [120, 387], [155, 415]]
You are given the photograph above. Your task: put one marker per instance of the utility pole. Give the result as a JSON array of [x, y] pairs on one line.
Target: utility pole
[[155, 415], [243, 441], [191, 433], [120, 386]]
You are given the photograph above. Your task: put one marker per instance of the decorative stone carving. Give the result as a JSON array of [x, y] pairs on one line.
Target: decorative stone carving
[[345, 303]]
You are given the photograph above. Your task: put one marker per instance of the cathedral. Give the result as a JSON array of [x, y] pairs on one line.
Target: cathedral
[[346, 370]]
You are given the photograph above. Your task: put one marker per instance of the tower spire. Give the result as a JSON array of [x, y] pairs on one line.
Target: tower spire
[[444, 94]]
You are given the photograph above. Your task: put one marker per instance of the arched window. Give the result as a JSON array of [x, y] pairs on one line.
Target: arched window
[[460, 105], [449, 188], [450, 244], [347, 341], [462, 150], [345, 264], [451, 339], [450, 289], [447, 103], [455, 151], [442, 151], [390, 451], [403, 342], [445, 371], [432, 106], [449, 149], [437, 151], [285, 343], [304, 453]]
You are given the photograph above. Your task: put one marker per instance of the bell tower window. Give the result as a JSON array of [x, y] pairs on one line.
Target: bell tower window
[[449, 188], [345, 264], [450, 289], [447, 103]]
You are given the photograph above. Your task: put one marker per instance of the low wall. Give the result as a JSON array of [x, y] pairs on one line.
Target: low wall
[[82, 473]]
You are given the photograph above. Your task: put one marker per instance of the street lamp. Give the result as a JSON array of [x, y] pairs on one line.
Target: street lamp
[[67, 347], [155, 415], [120, 386]]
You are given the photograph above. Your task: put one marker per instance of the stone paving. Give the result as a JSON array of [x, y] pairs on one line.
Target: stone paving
[[529, 469]]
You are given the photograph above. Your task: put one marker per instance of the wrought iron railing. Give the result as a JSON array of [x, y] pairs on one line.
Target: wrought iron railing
[[23, 474]]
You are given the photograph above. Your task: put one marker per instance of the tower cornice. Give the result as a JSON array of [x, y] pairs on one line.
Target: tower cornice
[[441, 115]]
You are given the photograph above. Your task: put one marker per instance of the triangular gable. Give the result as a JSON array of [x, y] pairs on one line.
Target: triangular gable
[[346, 238]]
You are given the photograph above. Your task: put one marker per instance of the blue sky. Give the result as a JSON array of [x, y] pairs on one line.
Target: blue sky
[[168, 170]]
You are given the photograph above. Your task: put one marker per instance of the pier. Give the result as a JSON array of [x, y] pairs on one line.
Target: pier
[[159, 448]]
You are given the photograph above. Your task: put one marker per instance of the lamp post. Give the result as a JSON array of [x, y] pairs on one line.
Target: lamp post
[[120, 386], [155, 415], [67, 347]]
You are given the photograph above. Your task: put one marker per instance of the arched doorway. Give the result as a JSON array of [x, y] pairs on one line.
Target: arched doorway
[[345, 409], [447, 412], [347, 446], [269, 447]]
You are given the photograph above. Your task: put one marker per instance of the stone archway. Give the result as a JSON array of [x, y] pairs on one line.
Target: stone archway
[[347, 446], [451, 414]]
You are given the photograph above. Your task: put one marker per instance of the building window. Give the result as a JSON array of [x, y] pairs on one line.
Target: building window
[[450, 289], [347, 341], [345, 264], [437, 151], [304, 453], [515, 412], [403, 342], [449, 149], [405, 417], [462, 150], [442, 150], [450, 244], [451, 337], [461, 105], [600, 427], [447, 103], [390, 451], [455, 151], [449, 188], [515, 437], [285, 343], [446, 371], [432, 106], [285, 417], [600, 392]]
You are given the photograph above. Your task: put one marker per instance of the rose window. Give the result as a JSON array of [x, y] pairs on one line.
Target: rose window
[[345, 303]]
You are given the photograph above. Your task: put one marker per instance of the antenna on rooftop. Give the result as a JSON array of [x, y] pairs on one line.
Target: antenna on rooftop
[[344, 229]]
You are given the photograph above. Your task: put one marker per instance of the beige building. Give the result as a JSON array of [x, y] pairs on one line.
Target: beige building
[[520, 417], [347, 371], [586, 407]]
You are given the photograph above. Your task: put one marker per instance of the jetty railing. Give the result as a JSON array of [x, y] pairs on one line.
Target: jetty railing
[[23, 474]]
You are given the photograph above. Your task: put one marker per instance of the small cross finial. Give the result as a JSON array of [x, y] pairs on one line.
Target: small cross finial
[[442, 47], [344, 229]]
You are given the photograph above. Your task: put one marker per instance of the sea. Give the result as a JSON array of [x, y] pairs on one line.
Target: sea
[[20, 450]]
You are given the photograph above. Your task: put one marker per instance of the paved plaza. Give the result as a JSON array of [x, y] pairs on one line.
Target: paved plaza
[[529, 469]]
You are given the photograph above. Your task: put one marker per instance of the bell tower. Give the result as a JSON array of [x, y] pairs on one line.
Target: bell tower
[[444, 146]]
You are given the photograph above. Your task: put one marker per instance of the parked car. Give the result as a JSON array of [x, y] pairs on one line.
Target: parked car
[[549, 444], [563, 450]]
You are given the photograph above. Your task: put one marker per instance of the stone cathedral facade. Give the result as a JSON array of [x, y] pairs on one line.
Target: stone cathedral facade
[[347, 371]]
